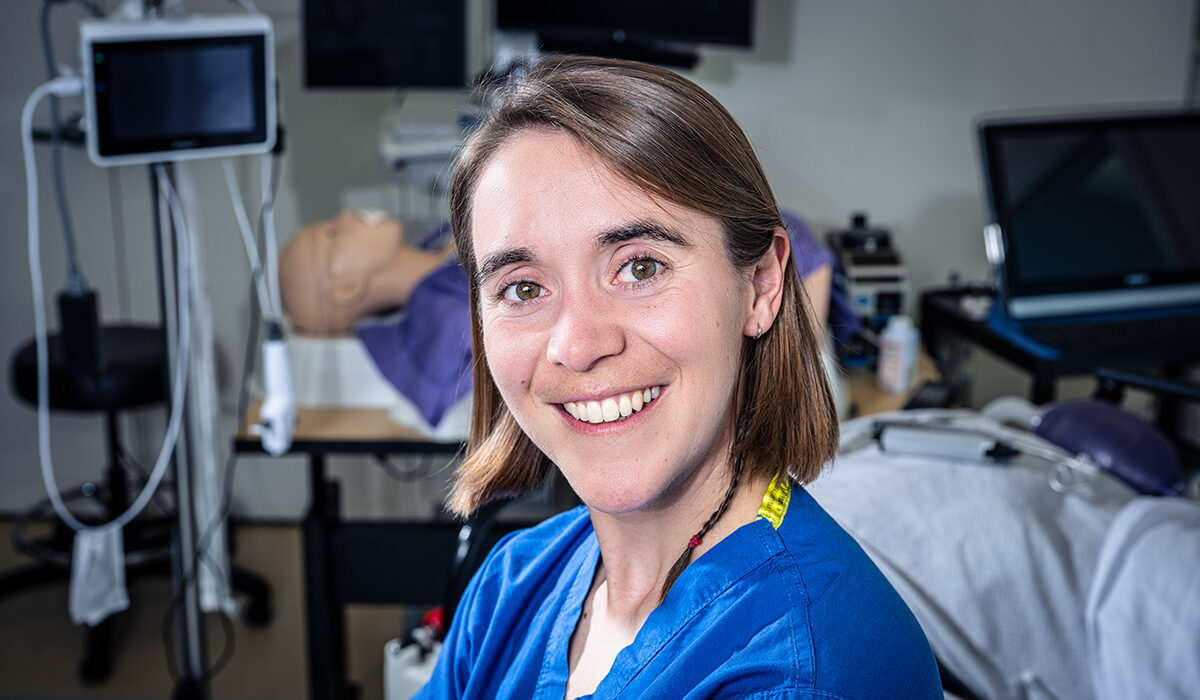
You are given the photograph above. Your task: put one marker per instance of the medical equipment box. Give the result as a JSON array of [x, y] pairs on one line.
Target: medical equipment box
[[170, 89], [872, 272]]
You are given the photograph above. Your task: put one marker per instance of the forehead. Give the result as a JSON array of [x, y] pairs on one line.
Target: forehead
[[544, 186]]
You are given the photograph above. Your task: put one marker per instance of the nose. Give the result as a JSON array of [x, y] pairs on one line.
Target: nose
[[588, 329]]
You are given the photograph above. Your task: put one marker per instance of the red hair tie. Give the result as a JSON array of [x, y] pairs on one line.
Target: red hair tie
[[694, 542]]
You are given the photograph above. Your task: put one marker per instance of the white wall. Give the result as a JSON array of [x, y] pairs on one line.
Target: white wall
[[851, 105], [871, 105]]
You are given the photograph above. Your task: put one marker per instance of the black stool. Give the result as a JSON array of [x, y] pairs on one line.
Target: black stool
[[133, 375]]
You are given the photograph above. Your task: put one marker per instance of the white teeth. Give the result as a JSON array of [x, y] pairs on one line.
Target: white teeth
[[613, 408]]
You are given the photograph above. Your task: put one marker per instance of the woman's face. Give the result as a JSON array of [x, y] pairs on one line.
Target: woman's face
[[594, 297]]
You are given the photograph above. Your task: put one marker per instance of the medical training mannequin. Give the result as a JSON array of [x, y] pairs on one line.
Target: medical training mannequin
[[332, 273], [638, 325]]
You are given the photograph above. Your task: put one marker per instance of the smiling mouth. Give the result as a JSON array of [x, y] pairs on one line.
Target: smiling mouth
[[611, 409]]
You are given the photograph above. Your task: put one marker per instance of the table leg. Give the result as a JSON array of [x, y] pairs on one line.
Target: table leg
[[1043, 387], [325, 615]]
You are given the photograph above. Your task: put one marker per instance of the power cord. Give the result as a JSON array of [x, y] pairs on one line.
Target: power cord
[[64, 87], [265, 301], [76, 284], [73, 86], [277, 414]]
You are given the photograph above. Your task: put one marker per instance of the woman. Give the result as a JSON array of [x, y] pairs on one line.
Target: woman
[[637, 324]]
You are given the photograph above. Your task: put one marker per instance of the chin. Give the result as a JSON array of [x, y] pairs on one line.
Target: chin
[[613, 493]]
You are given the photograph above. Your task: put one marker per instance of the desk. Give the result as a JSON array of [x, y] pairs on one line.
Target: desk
[[942, 316], [867, 398], [342, 561]]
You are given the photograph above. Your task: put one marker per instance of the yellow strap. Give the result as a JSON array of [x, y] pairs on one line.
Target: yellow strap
[[775, 503]]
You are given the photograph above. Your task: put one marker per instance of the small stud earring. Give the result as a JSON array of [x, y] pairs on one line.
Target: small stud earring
[[759, 333]]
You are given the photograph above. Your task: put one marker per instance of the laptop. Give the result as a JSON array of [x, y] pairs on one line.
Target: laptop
[[1095, 227]]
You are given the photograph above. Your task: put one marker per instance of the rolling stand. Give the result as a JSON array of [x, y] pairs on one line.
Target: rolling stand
[[132, 376]]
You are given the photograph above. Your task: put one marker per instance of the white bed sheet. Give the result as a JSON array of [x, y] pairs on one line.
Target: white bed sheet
[[1143, 612], [338, 371], [994, 563]]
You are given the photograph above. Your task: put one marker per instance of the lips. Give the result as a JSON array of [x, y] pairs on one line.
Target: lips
[[613, 408]]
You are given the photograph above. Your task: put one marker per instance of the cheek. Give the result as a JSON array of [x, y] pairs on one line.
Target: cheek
[[692, 328], [511, 358]]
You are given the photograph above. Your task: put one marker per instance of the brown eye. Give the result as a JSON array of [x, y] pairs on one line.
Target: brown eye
[[643, 269], [640, 269], [523, 291]]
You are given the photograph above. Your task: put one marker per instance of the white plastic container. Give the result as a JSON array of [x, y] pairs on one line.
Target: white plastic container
[[898, 347], [404, 671]]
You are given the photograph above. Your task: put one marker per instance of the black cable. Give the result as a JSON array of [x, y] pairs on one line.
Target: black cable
[[227, 628], [405, 475], [132, 466], [75, 280], [91, 7], [226, 504]]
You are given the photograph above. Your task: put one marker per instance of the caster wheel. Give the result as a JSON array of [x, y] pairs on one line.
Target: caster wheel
[[258, 614], [93, 671]]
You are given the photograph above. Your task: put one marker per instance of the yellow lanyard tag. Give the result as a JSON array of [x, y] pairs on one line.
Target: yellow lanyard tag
[[775, 503]]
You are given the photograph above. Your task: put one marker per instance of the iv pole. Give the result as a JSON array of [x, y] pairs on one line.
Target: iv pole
[[190, 642]]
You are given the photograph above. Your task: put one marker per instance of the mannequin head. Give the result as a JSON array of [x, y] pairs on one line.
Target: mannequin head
[[332, 273]]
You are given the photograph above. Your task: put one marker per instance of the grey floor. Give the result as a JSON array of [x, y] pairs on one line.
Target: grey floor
[[40, 648]]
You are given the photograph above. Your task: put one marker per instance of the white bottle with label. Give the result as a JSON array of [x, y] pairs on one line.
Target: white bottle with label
[[898, 347]]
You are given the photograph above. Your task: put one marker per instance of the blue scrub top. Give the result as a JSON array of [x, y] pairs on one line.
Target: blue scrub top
[[794, 612]]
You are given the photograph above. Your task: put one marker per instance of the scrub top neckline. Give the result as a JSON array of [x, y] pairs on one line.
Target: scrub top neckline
[[743, 550]]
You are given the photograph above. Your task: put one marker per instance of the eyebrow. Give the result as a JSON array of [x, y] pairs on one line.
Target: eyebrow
[[640, 229], [495, 261], [621, 234]]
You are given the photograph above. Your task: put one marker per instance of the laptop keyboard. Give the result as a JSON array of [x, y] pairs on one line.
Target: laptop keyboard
[[1141, 332]]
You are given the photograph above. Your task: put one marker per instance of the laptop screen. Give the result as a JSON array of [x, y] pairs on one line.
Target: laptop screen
[[1096, 213]]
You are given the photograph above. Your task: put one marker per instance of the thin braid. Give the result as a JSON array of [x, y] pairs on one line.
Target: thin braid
[[684, 559], [748, 371]]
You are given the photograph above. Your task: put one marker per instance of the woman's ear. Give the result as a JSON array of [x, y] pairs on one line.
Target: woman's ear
[[768, 281]]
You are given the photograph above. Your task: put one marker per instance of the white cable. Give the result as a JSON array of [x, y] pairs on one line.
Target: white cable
[[269, 310], [268, 218], [71, 86]]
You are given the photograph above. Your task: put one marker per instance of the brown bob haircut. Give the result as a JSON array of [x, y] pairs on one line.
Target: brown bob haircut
[[675, 141]]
